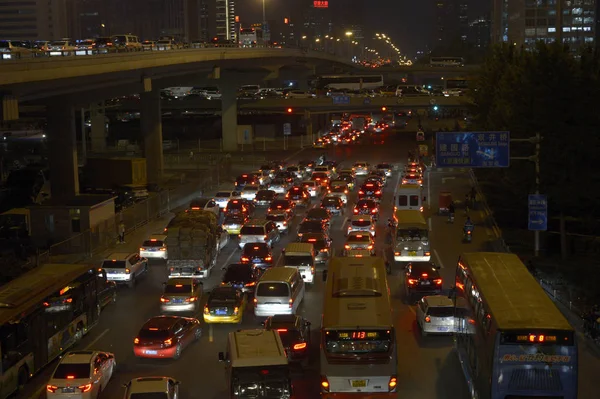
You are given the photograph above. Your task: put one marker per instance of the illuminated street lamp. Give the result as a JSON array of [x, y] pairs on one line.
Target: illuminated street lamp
[[304, 37], [349, 33]]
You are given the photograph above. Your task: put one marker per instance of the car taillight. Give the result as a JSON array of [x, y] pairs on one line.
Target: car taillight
[[291, 303], [438, 281], [347, 246], [141, 248], [268, 259], [128, 271], [284, 223], [255, 301], [136, 340], [192, 299], [324, 383], [427, 253], [245, 259], [300, 346], [265, 238], [206, 310], [370, 247], [236, 310], [427, 319], [396, 253], [377, 192], [355, 210], [85, 388], [164, 300], [51, 388], [361, 192], [168, 342], [412, 281], [251, 284], [374, 210], [404, 181]]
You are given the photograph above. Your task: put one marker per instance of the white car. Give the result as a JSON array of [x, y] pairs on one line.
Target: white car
[[299, 94], [339, 188], [249, 191], [435, 315], [205, 204], [223, 197], [155, 247], [361, 168], [152, 387], [362, 223], [313, 187], [124, 268], [360, 241], [81, 375], [61, 47]]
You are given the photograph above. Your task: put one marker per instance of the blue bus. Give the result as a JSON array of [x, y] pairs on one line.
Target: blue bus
[[511, 340]]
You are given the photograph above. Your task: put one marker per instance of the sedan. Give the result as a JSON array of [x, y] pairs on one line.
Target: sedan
[[339, 188], [282, 205], [223, 197], [321, 243], [181, 295], [282, 220], [367, 207], [313, 187], [298, 195], [333, 204], [361, 168], [370, 190], [280, 186], [312, 227], [359, 241], [361, 223], [242, 276], [225, 305], [81, 374], [233, 223], [265, 197], [385, 168], [257, 254], [249, 191], [412, 178], [318, 214], [166, 336]]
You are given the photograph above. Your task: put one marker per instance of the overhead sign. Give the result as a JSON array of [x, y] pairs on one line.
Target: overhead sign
[[367, 101], [472, 149], [287, 129], [320, 4], [538, 212], [341, 100]]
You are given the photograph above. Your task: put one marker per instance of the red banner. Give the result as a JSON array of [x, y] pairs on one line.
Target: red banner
[[320, 4]]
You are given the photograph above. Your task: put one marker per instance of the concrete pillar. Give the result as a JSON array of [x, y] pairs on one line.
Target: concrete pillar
[[229, 115], [98, 128], [62, 150], [308, 120], [151, 126]]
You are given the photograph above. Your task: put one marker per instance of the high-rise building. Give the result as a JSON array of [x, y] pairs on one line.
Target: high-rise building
[[318, 21], [479, 33], [523, 23], [224, 20], [36, 19], [451, 21]]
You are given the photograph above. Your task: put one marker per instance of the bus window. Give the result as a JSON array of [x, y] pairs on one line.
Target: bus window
[[402, 200], [414, 200]]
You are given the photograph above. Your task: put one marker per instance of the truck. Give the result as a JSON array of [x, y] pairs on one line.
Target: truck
[[119, 172], [301, 256], [359, 123], [194, 241]]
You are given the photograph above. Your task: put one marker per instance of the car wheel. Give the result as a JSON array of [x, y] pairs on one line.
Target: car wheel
[[177, 353]]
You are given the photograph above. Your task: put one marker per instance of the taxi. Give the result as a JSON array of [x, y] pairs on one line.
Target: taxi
[[412, 178], [233, 223], [225, 305], [239, 207]]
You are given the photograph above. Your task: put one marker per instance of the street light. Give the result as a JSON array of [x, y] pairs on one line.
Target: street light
[[349, 33], [264, 14], [304, 37]]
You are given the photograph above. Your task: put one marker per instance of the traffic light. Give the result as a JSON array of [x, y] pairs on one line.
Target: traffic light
[[384, 109], [237, 18], [289, 110]]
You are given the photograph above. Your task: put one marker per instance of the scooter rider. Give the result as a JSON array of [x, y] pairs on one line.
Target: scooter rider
[[451, 211], [469, 226]]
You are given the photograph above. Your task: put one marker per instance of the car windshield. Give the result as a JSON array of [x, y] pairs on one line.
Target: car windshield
[[178, 288], [298, 260], [238, 273], [252, 231], [72, 371], [311, 226], [359, 238], [264, 195], [255, 250], [152, 243], [331, 202], [441, 311], [152, 333], [361, 223], [228, 295], [317, 214], [113, 264], [272, 289]]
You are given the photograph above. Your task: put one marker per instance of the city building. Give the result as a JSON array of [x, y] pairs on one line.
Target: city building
[[573, 22], [479, 33], [318, 21], [36, 19], [451, 21], [223, 25]]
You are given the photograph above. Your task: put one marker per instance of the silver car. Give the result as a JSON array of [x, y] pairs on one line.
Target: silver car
[[223, 197], [435, 315], [339, 188], [181, 295], [361, 168], [361, 223], [280, 186], [359, 241], [282, 219], [124, 268]]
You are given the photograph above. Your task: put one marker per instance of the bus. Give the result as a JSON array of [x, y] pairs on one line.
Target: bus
[[511, 340], [45, 312], [411, 241], [349, 82], [408, 197], [447, 62], [251, 37], [457, 83], [358, 344]]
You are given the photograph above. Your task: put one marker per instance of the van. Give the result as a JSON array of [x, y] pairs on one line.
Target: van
[[256, 359], [279, 291], [259, 230], [408, 198], [301, 256], [127, 42]]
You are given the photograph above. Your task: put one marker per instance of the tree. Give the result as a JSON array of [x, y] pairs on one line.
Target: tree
[[549, 91]]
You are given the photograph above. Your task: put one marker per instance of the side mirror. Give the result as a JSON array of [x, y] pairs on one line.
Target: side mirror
[[221, 356], [324, 275]]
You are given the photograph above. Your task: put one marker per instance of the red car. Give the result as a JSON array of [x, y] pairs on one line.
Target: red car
[[166, 336]]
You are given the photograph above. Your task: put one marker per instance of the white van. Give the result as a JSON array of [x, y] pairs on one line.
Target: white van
[[301, 255], [279, 291], [127, 42], [409, 198]]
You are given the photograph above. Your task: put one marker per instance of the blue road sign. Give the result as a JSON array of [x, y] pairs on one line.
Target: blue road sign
[[472, 149], [341, 100], [538, 212]]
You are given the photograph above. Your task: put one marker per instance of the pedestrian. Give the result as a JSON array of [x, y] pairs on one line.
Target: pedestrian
[[122, 232]]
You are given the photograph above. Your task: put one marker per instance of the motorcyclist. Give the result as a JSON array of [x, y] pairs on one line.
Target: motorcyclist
[[451, 211], [469, 226]]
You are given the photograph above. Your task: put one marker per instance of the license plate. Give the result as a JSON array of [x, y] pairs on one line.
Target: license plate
[[442, 328], [359, 383], [148, 352], [425, 283], [412, 253], [256, 260], [177, 300], [68, 390], [220, 312]]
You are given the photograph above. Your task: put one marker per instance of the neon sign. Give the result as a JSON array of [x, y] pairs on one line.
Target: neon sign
[[320, 4], [538, 357]]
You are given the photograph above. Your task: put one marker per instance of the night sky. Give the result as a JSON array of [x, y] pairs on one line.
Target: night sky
[[408, 22]]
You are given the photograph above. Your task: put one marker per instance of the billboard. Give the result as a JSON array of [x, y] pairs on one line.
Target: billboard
[[472, 149], [320, 4]]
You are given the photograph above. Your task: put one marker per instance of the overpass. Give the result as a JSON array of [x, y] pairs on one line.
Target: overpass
[[67, 83]]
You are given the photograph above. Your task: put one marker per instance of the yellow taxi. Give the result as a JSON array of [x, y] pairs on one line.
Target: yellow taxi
[[225, 305]]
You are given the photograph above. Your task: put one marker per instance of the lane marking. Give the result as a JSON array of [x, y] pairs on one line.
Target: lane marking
[[211, 334], [439, 260], [412, 309], [430, 225], [102, 334], [229, 257], [345, 221]]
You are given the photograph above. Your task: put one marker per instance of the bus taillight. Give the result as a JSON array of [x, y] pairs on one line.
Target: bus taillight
[[324, 383], [393, 382]]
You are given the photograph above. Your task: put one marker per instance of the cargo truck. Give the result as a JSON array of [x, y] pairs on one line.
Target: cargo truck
[[194, 241]]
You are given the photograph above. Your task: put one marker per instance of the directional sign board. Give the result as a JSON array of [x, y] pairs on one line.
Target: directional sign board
[[287, 129], [538, 212], [341, 100], [472, 149]]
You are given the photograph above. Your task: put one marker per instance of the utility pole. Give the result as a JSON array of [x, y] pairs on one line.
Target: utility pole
[[537, 139]]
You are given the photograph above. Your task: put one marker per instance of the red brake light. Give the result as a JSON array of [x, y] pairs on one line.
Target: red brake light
[[164, 300], [268, 259], [438, 281], [282, 330], [70, 377], [374, 210], [300, 346], [51, 388], [245, 259], [361, 192], [347, 246], [194, 208], [427, 319], [412, 281], [312, 240], [85, 388], [424, 275]]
